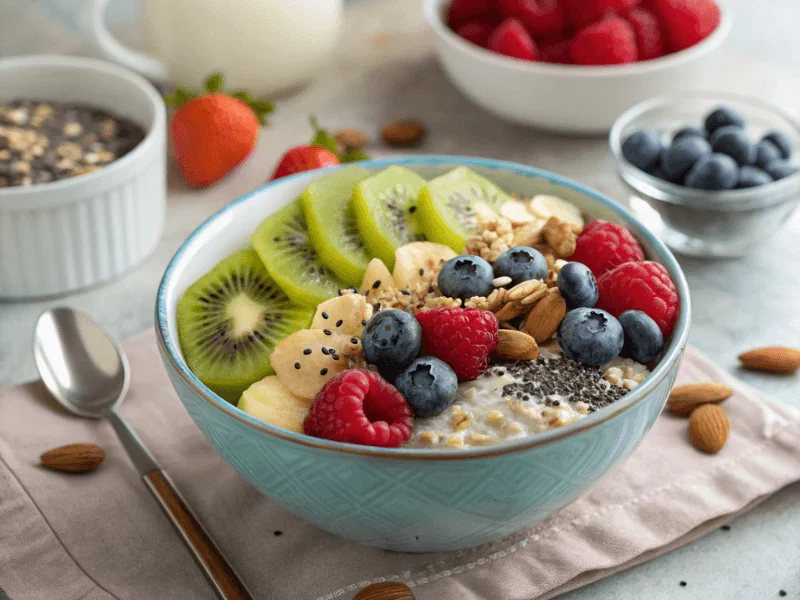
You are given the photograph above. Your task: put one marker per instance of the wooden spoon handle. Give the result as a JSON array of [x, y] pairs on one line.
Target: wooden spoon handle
[[219, 573]]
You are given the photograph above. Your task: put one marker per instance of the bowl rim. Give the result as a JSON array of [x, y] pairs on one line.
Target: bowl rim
[[56, 192], [173, 360], [433, 11], [763, 196]]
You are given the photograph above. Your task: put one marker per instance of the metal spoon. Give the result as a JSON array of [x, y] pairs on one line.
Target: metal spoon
[[88, 374]]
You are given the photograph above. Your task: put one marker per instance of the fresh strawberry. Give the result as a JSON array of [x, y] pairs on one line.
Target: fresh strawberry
[[609, 42], [304, 158], [540, 17], [649, 38], [214, 132], [585, 12], [555, 51], [475, 31], [511, 39], [602, 246], [644, 286], [687, 22], [463, 338], [464, 10]]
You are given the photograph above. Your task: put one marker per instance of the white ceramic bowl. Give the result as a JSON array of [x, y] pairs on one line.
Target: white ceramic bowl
[[74, 233], [566, 98]]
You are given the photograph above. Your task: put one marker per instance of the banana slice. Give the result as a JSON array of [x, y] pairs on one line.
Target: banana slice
[[308, 358], [544, 207], [270, 401], [376, 278], [417, 261], [343, 314], [516, 212]]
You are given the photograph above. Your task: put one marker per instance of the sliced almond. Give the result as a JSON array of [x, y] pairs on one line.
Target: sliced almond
[[774, 359], [510, 311], [516, 345], [685, 398], [403, 133], [74, 458], [545, 317], [709, 428]]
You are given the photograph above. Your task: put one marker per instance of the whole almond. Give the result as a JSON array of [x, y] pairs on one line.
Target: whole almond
[[709, 428], [351, 139], [403, 133], [773, 360], [685, 398], [543, 321], [516, 345], [387, 590], [74, 458]]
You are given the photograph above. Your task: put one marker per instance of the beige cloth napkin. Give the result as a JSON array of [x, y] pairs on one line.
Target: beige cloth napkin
[[101, 536]]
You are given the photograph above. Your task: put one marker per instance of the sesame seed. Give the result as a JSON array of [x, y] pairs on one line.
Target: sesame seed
[[327, 332], [376, 284], [405, 293], [296, 365], [364, 322], [353, 340], [324, 315], [335, 356], [412, 209], [421, 272], [325, 351], [339, 323], [323, 372], [307, 351], [683, 584]]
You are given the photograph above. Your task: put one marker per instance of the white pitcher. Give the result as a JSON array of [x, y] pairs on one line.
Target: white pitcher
[[262, 46]]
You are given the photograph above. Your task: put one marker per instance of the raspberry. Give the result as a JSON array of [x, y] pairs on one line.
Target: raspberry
[[475, 31], [540, 17], [687, 22], [511, 39], [585, 12], [609, 42], [602, 246], [555, 51], [649, 39], [644, 286], [360, 407], [464, 10], [463, 338]]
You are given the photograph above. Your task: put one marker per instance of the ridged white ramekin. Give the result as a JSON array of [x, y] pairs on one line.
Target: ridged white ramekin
[[75, 233]]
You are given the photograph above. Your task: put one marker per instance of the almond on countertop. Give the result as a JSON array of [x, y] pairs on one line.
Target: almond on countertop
[[351, 139], [74, 458], [685, 398], [516, 345], [709, 428], [403, 133], [773, 359]]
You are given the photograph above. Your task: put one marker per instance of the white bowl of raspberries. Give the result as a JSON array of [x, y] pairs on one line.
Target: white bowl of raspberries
[[575, 65]]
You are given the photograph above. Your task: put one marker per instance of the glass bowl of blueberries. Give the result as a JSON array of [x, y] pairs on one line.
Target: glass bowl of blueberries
[[711, 173]]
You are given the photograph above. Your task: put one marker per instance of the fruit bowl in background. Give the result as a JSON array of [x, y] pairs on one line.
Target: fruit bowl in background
[[697, 222], [566, 98], [405, 499]]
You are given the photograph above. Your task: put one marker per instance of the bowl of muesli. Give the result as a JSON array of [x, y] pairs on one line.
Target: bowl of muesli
[[423, 353]]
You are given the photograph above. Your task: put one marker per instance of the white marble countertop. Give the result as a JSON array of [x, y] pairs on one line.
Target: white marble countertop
[[386, 69]]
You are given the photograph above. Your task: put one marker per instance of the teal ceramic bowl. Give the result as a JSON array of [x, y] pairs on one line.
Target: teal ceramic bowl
[[415, 500]]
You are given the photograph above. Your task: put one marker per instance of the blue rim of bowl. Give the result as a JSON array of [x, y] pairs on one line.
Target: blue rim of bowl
[[665, 191], [672, 355], [433, 14]]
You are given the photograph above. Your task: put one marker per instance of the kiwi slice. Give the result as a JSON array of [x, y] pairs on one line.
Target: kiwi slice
[[448, 206], [284, 247], [385, 206], [230, 320], [332, 224]]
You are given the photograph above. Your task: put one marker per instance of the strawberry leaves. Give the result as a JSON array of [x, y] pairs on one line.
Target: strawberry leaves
[[215, 84]]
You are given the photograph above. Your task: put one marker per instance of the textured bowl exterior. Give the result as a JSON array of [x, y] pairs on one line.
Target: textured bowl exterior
[[566, 98], [402, 499], [76, 233]]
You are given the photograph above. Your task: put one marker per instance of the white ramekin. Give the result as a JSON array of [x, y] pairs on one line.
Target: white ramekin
[[74, 233]]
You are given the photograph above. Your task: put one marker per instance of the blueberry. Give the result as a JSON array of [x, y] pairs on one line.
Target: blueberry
[[714, 173], [643, 149], [590, 336], [781, 141], [766, 153], [733, 141], [521, 263], [682, 155], [780, 169], [687, 131], [577, 285], [643, 338], [391, 340], [429, 385], [721, 117], [466, 276], [752, 177]]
